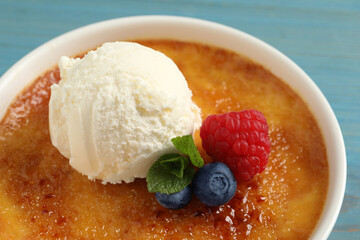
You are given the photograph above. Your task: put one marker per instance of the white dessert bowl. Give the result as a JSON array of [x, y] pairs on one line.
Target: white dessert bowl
[[80, 40]]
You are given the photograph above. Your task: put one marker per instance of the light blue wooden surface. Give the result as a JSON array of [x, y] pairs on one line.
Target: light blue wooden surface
[[322, 37]]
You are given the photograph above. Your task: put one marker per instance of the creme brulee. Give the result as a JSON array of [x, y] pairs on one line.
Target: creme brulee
[[42, 197]]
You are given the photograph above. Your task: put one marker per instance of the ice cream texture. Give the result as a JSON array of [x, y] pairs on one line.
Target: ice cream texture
[[115, 110]]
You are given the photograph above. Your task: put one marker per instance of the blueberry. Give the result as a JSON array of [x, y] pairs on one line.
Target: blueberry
[[175, 200], [214, 184]]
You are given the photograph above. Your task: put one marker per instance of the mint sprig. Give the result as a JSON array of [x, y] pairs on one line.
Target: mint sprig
[[172, 172]]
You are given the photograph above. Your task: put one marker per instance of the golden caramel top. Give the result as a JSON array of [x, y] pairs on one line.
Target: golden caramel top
[[42, 197]]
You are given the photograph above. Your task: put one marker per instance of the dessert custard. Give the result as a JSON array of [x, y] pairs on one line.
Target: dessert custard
[[43, 197]]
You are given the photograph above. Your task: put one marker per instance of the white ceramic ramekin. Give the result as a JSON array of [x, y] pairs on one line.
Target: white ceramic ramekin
[[181, 28]]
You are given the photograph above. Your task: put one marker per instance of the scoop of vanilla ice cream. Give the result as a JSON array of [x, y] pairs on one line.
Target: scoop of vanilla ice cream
[[114, 111]]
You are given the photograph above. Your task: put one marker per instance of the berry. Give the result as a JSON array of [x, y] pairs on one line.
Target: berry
[[175, 200], [214, 184], [239, 139]]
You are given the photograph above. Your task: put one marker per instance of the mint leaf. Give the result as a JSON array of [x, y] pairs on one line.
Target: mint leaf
[[172, 172], [159, 179], [186, 145], [175, 163]]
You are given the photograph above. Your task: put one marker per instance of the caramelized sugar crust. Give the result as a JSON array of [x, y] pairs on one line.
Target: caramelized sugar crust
[[42, 197]]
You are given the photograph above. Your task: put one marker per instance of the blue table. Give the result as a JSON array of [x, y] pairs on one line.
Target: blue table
[[322, 37]]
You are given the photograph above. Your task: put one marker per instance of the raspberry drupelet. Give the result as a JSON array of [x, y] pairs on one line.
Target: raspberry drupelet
[[239, 139]]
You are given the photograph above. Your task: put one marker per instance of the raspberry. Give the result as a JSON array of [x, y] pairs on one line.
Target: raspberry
[[239, 139]]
